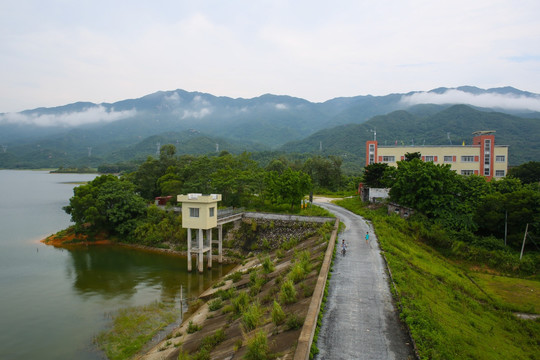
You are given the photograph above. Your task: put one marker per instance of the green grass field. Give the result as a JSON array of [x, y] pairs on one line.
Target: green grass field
[[452, 312]]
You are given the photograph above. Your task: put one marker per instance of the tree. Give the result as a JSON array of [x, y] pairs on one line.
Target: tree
[[433, 190], [148, 175], [522, 207], [528, 173], [106, 203], [414, 155], [378, 175], [170, 183], [159, 226], [324, 173], [289, 187]]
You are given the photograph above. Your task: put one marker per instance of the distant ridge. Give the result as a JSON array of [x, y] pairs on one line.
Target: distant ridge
[[62, 136]]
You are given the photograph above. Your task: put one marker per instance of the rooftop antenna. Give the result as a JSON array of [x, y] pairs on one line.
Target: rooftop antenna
[[448, 136], [89, 152], [424, 143], [4, 148], [412, 142], [158, 148], [374, 131], [217, 147]]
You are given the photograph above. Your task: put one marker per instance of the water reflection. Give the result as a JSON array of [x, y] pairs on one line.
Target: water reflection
[[119, 272]]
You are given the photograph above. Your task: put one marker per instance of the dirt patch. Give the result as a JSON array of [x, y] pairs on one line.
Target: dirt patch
[[68, 238]]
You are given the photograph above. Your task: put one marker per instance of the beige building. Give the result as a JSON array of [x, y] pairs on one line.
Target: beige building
[[199, 211], [483, 157]]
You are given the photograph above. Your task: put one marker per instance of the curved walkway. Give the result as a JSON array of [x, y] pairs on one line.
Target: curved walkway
[[360, 321]]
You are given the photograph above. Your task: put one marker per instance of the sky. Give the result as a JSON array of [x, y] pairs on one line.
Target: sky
[[56, 52]]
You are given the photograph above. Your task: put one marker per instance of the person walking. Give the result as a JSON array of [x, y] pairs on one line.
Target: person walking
[[367, 237], [343, 247]]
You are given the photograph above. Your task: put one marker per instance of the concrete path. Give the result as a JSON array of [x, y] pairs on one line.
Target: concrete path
[[360, 321]]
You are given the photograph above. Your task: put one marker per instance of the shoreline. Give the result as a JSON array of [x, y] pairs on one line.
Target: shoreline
[[66, 242]]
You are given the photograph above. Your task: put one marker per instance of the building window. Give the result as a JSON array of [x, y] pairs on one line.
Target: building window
[[467, 172], [193, 212], [487, 157], [467, 158], [371, 153], [389, 159], [212, 212], [499, 173], [500, 158], [429, 158], [448, 159]]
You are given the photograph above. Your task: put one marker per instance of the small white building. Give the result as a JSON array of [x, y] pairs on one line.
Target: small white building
[[199, 212]]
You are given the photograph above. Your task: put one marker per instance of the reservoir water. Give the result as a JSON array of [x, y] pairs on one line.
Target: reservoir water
[[54, 301]]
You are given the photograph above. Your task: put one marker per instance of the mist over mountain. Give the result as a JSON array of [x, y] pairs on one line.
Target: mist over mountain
[[93, 133]]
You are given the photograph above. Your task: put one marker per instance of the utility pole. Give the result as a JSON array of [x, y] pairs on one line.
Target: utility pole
[[523, 245]]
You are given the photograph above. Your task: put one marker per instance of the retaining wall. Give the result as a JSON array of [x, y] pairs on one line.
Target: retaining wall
[[310, 323]]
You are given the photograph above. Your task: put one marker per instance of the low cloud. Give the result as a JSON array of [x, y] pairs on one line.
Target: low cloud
[[173, 100], [196, 114], [281, 107], [199, 100], [87, 116], [487, 100]]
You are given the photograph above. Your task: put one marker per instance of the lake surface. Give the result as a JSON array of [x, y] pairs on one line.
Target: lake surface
[[54, 301]]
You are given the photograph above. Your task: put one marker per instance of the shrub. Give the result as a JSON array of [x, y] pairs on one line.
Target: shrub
[[489, 243], [268, 265], [287, 294], [297, 273], [237, 345], [251, 317], [213, 340], [215, 304], [184, 356], [288, 245], [278, 315], [307, 290], [235, 276], [219, 284], [240, 302], [294, 322], [203, 354], [226, 294], [192, 327], [257, 347]]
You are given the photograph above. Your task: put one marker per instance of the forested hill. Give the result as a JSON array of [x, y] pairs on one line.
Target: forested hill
[[424, 125]]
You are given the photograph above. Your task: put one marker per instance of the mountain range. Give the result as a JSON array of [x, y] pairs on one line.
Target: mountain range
[[88, 134]]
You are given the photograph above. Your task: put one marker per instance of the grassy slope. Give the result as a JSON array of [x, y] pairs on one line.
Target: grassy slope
[[450, 316]]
